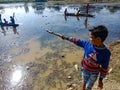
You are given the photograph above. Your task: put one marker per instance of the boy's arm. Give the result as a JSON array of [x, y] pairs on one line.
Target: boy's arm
[[104, 66], [76, 41], [104, 70]]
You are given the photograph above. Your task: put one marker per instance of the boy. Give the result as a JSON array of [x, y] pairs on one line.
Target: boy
[[96, 56]]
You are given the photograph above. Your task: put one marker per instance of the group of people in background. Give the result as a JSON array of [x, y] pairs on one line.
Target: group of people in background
[[12, 20], [86, 7], [4, 21], [78, 12]]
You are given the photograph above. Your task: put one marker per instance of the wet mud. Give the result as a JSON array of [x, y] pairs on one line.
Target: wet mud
[[33, 67]]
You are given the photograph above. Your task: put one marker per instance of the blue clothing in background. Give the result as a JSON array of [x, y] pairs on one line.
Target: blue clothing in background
[[12, 20]]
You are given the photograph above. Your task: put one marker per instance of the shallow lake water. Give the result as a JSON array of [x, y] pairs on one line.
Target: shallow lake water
[[31, 58]]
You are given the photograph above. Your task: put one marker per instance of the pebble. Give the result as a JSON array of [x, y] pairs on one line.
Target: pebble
[[69, 77], [76, 67], [71, 88], [27, 67]]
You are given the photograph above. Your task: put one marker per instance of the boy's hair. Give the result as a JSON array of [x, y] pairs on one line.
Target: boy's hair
[[99, 31]]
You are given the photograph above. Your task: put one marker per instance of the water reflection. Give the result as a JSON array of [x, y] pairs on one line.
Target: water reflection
[[57, 7], [38, 7], [113, 9], [86, 22], [6, 29], [16, 76], [15, 30], [26, 7], [3, 31], [78, 18]]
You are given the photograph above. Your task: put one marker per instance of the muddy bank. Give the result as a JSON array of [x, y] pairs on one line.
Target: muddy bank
[[44, 68], [39, 68]]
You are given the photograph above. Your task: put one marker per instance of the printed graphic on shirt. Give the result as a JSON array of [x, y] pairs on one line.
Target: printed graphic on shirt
[[93, 58]]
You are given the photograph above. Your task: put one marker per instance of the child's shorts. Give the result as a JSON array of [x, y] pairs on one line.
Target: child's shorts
[[89, 78]]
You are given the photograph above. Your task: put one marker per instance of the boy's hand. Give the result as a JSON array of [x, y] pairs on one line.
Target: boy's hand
[[100, 84], [63, 37]]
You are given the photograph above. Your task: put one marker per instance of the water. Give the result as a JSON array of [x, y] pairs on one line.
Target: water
[[34, 19], [27, 50]]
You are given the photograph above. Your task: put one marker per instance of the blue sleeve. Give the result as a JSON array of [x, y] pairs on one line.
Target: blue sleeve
[[105, 64], [77, 41], [106, 60]]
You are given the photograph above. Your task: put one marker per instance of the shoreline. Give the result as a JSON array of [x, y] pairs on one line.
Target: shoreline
[[83, 2], [66, 2], [113, 43]]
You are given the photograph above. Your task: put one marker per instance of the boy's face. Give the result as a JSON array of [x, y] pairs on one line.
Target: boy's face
[[94, 40]]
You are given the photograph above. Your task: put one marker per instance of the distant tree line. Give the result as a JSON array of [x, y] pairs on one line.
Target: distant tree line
[[54, 0], [22, 0]]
